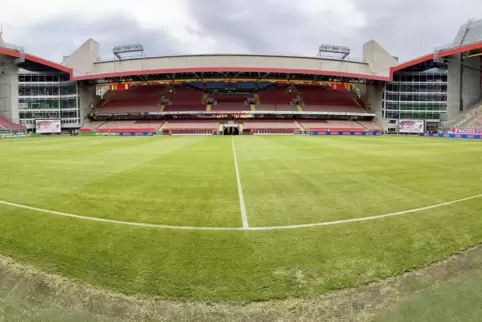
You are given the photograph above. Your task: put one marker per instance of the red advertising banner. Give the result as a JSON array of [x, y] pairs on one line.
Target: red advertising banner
[[467, 131]]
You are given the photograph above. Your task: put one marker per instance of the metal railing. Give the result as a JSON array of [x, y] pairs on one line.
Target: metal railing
[[11, 46]]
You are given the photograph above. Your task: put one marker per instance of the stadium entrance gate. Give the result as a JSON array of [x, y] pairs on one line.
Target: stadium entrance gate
[[231, 129]]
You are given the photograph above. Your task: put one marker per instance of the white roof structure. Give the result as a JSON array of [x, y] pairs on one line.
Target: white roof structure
[[469, 33]]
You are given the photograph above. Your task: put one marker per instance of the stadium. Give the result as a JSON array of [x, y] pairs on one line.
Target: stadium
[[240, 178]]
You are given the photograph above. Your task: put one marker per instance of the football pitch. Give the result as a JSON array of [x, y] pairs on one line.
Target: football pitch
[[237, 218]]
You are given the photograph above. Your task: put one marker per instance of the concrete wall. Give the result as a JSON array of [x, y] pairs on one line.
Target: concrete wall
[[471, 85], [231, 61], [374, 98], [8, 89], [463, 83], [378, 59], [86, 98], [82, 60]]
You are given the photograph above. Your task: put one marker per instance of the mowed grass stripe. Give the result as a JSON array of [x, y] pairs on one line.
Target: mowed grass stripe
[[302, 180], [172, 181], [206, 265], [285, 179]]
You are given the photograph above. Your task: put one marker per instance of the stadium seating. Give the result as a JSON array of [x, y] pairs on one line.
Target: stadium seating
[[184, 99], [321, 99], [276, 99], [9, 125], [329, 125], [140, 99], [270, 126], [199, 127], [91, 126], [476, 122], [230, 102], [370, 126], [130, 126]]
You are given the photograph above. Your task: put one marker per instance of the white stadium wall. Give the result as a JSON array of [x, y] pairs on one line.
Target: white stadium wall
[[9, 88], [242, 61]]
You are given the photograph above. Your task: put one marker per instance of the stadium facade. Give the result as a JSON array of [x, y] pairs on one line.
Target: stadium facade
[[442, 88]]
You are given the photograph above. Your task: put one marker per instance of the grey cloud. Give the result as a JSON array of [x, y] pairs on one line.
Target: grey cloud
[[406, 28], [266, 28], [411, 28], [61, 36]]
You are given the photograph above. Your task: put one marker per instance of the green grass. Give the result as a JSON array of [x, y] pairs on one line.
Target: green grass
[[451, 294], [457, 299], [191, 181]]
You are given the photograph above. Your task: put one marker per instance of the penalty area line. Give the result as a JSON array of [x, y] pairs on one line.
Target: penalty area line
[[346, 221], [113, 221], [326, 223], [242, 207]]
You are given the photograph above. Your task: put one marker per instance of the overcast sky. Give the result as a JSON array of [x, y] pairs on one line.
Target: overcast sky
[[406, 28]]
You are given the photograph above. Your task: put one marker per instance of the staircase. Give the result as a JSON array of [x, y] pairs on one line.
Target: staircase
[[104, 103], [301, 126], [299, 105], [252, 107], [476, 121], [465, 118], [160, 104], [208, 107], [358, 100]]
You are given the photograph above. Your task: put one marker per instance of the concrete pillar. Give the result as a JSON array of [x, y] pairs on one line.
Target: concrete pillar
[[455, 81], [471, 82], [463, 89], [9, 89], [87, 97], [374, 98]]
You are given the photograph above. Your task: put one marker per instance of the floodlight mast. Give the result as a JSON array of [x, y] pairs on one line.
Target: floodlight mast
[[344, 51], [133, 48]]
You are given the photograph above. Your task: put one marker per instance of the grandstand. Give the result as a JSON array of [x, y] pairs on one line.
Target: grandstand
[[137, 99], [331, 125], [323, 99], [169, 94], [9, 125], [278, 98], [129, 126], [180, 98]]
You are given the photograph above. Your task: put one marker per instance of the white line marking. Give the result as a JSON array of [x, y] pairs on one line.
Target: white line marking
[[242, 207], [338, 222], [112, 221], [326, 223]]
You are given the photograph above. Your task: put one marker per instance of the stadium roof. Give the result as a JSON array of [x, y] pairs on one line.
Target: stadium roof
[[442, 53], [34, 61], [230, 69], [469, 33], [249, 64]]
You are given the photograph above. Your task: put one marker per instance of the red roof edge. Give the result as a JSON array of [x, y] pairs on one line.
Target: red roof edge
[[443, 53], [41, 61], [231, 69]]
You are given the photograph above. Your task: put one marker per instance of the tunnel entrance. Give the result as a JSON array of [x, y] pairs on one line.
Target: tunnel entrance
[[231, 130]]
